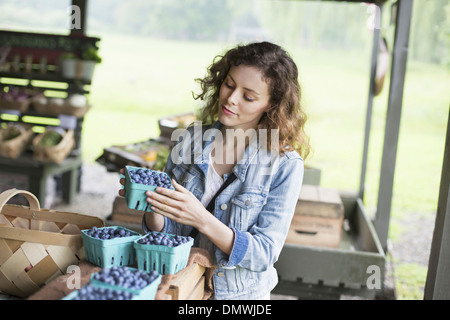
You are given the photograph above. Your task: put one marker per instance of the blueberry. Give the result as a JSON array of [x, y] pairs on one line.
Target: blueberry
[[126, 278], [108, 233], [150, 177], [157, 238]]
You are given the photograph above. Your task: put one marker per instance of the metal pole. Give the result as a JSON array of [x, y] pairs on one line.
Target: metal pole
[[398, 71]]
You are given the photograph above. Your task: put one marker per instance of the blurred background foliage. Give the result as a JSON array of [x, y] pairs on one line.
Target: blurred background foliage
[[205, 20], [153, 50]]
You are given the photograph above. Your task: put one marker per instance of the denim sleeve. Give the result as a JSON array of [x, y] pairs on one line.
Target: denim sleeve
[[259, 247]]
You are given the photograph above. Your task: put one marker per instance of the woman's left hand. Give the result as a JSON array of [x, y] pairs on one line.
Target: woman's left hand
[[179, 205]]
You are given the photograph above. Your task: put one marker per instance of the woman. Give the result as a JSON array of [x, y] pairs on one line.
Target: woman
[[252, 128]]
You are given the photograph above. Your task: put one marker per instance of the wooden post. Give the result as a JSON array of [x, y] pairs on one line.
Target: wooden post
[[398, 70], [373, 70], [438, 276]]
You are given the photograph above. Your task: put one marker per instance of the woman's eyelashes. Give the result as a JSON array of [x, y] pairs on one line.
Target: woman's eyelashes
[[231, 87]]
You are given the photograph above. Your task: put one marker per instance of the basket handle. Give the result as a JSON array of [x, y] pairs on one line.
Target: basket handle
[[5, 196]]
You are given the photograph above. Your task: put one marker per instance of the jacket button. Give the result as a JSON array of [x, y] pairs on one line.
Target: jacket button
[[248, 202], [223, 206], [220, 274]]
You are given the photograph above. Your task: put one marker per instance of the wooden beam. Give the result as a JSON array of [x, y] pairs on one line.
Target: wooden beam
[[395, 101], [373, 70], [438, 277]]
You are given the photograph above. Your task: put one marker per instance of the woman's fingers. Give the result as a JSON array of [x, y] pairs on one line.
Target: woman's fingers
[[163, 213], [176, 194], [164, 196], [177, 186]]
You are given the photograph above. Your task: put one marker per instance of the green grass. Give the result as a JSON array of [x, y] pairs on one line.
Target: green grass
[[143, 79], [410, 281]]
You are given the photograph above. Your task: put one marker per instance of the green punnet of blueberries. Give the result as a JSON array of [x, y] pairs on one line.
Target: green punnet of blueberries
[[150, 177], [156, 238], [125, 277], [90, 292], [108, 233]]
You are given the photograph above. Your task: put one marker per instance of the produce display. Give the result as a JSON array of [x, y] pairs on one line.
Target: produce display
[[126, 277], [90, 292], [150, 154], [150, 151], [150, 177], [158, 238], [183, 121], [108, 233]]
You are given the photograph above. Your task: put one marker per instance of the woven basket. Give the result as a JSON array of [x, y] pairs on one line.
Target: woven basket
[[57, 153], [37, 245], [14, 147], [21, 106], [52, 109]]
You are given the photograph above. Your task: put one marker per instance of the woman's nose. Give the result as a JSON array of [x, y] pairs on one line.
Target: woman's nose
[[232, 98]]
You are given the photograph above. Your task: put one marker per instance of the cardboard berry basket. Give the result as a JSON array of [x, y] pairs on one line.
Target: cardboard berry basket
[[162, 258], [135, 192], [37, 245], [110, 252], [146, 293]]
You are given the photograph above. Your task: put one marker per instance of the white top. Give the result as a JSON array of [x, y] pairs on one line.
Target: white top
[[213, 183]]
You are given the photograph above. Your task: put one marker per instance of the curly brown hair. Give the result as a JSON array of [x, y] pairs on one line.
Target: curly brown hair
[[281, 74]]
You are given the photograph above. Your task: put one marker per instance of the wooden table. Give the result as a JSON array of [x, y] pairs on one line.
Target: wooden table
[[37, 174]]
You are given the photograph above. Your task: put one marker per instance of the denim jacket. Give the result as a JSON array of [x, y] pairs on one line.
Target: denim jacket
[[258, 206]]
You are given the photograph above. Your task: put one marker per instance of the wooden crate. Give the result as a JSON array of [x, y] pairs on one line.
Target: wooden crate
[[315, 231], [318, 218], [319, 201], [310, 272], [189, 284]]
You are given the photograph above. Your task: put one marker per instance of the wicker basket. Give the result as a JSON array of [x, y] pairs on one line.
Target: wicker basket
[[14, 147], [53, 109], [37, 245], [21, 106], [57, 153]]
